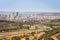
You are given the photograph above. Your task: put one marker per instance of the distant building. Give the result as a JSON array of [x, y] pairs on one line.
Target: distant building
[[32, 27], [17, 14], [11, 17]]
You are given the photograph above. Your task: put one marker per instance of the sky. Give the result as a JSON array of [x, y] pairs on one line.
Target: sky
[[30, 5]]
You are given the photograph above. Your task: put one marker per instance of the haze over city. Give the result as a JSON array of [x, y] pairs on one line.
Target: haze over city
[[30, 5]]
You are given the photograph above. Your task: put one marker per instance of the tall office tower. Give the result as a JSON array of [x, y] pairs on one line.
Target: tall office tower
[[8, 17], [11, 16], [0, 14], [16, 13]]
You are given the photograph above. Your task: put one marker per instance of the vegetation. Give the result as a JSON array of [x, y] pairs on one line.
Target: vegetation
[[8, 26], [16, 38], [27, 39], [58, 37]]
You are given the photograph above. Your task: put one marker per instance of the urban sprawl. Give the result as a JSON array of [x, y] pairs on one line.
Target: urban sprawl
[[15, 16]]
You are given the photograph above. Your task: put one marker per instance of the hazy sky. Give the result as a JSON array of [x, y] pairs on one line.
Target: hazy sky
[[30, 5]]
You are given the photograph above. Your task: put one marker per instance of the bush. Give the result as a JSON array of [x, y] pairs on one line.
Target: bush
[[3, 39], [27, 39], [33, 33], [16, 38]]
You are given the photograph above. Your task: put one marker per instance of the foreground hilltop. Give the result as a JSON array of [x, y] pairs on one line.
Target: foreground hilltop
[[39, 30]]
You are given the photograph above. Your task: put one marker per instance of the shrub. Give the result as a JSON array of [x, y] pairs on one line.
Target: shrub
[[16, 38], [27, 38]]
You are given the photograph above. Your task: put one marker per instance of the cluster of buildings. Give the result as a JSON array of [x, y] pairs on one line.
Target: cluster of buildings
[[22, 18]]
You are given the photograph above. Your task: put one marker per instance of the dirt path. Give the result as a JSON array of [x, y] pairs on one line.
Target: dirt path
[[55, 36]]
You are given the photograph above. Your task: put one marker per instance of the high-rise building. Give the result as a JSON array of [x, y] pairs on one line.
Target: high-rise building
[[16, 13], [9, 17], [13, 14]]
